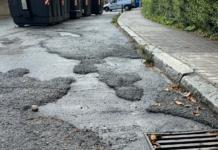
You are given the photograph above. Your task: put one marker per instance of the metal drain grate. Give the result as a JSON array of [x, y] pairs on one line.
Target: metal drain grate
[[200, 140]]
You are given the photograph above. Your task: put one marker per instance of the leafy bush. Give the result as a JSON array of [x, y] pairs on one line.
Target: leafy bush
[[190, 28], [189, 14]]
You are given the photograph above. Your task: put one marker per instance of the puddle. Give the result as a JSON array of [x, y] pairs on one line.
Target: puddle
[[68, 34]]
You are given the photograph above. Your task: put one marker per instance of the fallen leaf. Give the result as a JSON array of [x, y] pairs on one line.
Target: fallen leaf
[[175, 99], [197, 115], [213, 115], [179, 103], [155, 143], [176, 86], [158, 104], [151, 64], [153, 137], [86, 106], [193, 100], [167, 89], [199, 108], [195, 112], [171, 88], [188, 98], [187, 95]]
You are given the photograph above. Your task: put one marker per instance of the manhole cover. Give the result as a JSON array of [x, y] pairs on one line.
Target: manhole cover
[[199, 140]]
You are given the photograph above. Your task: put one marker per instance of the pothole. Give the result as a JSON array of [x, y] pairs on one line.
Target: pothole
[[68, 34]]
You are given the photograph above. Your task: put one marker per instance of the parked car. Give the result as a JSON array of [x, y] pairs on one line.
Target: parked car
[[117, 4]]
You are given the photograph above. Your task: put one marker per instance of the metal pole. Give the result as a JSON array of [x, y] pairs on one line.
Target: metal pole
[[122, 9]]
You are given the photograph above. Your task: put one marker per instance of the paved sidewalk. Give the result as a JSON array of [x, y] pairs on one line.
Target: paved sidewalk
[[199, 53]]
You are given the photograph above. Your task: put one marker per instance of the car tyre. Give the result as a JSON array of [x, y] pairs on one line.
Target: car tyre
[[126, 7], [106, 9], [110, 10]]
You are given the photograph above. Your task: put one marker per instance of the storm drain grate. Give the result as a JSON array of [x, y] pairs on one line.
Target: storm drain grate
[[199, 140]]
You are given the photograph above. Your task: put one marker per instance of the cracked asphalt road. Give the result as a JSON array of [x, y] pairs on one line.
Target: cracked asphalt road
[[109, 93]]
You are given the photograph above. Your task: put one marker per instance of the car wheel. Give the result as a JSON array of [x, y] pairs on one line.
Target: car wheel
[[110, 10], [126, 7], [106, 9]]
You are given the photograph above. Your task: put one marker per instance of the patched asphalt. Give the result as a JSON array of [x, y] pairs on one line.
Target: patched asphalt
[[87, 73], [122, 83], [188, 109], [20, 130]]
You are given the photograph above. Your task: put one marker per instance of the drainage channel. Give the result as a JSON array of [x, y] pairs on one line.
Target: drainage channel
[[199, 140]]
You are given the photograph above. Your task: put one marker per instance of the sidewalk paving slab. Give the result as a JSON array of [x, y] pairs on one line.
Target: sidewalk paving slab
[[185, 58]]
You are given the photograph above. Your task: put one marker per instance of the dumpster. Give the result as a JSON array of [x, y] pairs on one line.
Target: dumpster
[[35, 12], [76, 7], [87, 7], [97, 7], [65, 12]]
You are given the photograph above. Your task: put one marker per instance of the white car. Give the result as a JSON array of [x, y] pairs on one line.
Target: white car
[[117, 4]]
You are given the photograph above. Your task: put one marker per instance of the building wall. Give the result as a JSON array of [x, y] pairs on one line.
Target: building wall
[[4, 10]]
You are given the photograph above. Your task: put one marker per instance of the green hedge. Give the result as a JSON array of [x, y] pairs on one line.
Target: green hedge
[[200, 14]]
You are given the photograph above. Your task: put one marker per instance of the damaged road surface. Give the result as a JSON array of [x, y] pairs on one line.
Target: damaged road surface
[[91, 86]]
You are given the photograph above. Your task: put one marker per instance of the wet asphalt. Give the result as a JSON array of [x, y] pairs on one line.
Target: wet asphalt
[[87, 73]]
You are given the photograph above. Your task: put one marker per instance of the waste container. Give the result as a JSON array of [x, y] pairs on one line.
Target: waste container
[[35, 12], [97, 7], [76, 7], [65, 12], [87, 7]]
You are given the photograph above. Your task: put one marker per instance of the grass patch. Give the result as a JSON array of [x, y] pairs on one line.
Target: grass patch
[[147, 55], [133, 40], [115, 18]]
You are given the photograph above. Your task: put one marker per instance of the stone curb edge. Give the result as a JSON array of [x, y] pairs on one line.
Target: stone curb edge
[[178, 72]]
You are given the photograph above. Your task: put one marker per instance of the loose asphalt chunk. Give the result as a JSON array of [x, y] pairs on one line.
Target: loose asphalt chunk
[[20, 128], [184, 108]]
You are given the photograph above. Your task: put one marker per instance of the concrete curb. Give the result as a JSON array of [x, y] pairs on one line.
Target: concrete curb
[[179, 72], [203, 90], [171, 67]]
